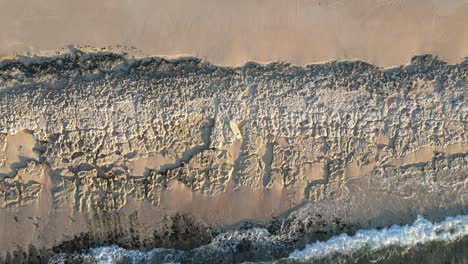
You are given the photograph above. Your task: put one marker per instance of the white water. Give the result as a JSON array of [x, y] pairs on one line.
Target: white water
[[420, 232], [113, 254]]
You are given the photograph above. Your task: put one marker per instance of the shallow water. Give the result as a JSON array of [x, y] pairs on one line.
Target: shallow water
[[421, 231], [396, 244], [420, 242]]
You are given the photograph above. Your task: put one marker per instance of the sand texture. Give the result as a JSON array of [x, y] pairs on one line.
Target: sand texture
[[96, 147], [227, 32]]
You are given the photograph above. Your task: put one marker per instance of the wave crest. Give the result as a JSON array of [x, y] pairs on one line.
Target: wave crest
[[420, 232]]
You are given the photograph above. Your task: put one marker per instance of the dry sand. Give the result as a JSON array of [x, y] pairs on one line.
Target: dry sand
[[17, 149], [383, 32]]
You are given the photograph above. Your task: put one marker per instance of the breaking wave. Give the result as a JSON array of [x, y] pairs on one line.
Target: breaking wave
[[420, 233], [114, 254]]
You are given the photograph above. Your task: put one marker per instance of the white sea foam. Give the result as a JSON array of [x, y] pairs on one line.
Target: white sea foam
[[113, 254], [420, 232]]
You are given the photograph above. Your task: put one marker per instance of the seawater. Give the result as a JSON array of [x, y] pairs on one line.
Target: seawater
[[415, 242], [421, 242]]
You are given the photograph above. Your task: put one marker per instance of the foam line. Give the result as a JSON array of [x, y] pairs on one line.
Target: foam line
[[420, 232]]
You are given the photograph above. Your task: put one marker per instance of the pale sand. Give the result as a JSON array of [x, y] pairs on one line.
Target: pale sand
[[226, 208], [18, 148], [420, 155], [427, 153], [227, 32], [139, 166], [230, 207]]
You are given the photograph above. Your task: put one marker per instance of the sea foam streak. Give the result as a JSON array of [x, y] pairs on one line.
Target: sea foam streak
[[111, 254], [420, 232], [115, 254]]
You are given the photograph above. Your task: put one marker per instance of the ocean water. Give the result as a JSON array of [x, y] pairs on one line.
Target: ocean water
[[392, 244], [421, 242], [420, 232]]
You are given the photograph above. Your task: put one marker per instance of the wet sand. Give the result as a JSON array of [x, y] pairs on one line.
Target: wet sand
[[382, 32]]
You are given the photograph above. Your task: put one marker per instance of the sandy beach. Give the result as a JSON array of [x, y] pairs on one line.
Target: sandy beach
[[382, 32], [286, 122]]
